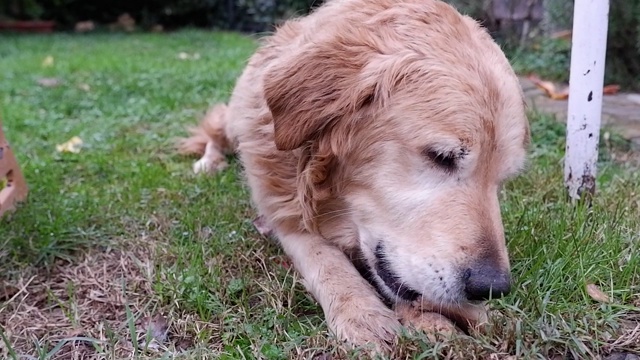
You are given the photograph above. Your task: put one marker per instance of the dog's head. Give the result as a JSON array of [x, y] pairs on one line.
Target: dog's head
[[411, 119]]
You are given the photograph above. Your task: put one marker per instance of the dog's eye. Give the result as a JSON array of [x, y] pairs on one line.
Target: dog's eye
[[445, 160]]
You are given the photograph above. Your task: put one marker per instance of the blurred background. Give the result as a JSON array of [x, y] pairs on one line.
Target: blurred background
[[534, 33]]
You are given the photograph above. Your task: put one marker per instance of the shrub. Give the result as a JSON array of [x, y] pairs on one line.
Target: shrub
[[243, 15], [550, 58]]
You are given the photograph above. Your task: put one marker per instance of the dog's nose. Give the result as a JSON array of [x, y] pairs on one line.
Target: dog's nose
[[485, 282]]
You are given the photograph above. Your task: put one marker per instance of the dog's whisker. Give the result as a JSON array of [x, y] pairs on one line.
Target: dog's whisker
[[334, 214]]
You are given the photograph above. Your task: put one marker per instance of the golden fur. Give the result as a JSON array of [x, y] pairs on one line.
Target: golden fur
[[371, 130]]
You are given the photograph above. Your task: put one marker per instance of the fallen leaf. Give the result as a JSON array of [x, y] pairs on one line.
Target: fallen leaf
[[84, 87], [156, 328], [85, 26], [562, 34], [596, 294], [611, 89], [187, 56], [561, 95], [549, 88], [184, 344], [48, 61], [49, 82], [73, 145]]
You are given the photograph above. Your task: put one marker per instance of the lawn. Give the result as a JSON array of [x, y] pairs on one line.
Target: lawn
[[121, 237]]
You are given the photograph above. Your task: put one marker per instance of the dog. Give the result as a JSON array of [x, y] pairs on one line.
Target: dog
[[375, 136]]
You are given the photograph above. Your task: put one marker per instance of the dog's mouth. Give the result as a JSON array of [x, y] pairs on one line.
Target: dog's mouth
[[396, 288], [390, 279]]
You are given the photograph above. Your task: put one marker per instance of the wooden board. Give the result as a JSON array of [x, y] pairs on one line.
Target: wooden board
[[13, 187]]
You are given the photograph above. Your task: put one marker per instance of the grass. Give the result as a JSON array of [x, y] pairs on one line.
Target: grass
[[120, 242], [547, 58]]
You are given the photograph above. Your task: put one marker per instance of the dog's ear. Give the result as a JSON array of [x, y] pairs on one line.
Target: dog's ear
[[314, 87]]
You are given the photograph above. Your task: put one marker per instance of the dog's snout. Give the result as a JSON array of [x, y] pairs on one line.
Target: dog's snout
[[485, 282]]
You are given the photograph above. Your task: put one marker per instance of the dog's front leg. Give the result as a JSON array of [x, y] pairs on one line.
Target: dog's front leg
[[353, 310]]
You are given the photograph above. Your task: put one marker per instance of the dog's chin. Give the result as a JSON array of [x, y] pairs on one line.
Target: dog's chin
[[464, 313], [392, 287]]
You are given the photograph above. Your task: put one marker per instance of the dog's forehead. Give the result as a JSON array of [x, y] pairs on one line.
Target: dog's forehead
[[490, 122], [483, 103]]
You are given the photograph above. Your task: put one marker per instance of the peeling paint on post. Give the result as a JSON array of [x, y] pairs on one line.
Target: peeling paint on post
[[588, 51]]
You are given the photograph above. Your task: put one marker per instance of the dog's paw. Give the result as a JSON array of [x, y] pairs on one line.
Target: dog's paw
[[433, 324], [364, 323], [208, 165]]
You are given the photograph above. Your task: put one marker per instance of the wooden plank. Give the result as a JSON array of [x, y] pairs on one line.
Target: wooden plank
[[13, 185]]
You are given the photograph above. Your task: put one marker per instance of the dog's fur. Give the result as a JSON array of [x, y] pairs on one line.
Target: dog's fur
[[377, 132]]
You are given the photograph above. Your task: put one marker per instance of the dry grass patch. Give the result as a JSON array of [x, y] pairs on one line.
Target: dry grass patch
[[102, 305]]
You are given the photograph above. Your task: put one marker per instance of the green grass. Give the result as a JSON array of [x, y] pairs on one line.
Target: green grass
[[548, 58], [188, 241]]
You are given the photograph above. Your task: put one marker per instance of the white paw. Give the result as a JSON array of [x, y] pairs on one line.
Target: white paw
[[202, 165], [208, 165]]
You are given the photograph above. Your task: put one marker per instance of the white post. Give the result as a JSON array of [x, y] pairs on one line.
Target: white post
[[586, 80]]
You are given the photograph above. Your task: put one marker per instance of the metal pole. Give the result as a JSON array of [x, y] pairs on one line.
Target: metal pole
[[586, 81]]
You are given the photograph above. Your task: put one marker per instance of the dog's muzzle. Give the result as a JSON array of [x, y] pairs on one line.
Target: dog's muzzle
[[391, 280]]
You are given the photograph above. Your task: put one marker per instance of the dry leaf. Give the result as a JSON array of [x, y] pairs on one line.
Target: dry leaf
[[561, 95], [186, 56], [596, 294], [49, 82], [184, 344], [611, 89], [563, 34], [48, 61], [550, 89], [73, 145], [85, 26], [84, 87], [157, 328]]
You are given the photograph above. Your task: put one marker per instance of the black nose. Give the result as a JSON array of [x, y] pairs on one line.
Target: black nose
[[485, 282]]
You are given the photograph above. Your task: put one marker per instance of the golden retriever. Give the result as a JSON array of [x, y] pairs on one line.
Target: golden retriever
[[375, 136]]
